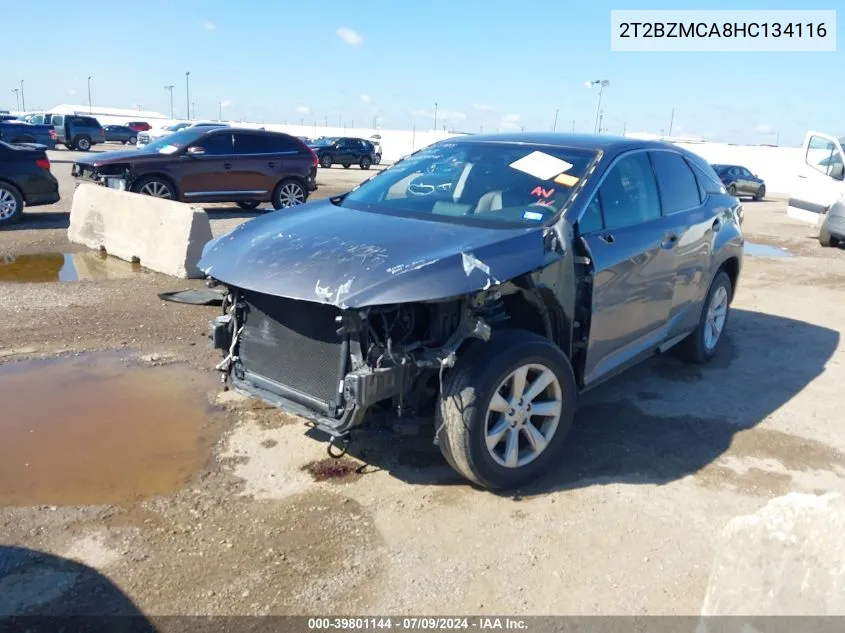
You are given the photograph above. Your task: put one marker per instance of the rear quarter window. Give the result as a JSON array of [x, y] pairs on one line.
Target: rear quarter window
[[677, 184]]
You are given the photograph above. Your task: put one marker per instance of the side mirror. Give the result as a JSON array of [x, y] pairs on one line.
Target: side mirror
[[838, 171], [196, 151]]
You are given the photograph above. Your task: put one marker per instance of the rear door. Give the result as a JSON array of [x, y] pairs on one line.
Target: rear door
[[819, 180], [253, 165], [58, 123], [689, 224], [633, 283]]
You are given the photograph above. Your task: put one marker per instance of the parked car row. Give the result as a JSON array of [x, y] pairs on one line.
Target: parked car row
[[388, 305]]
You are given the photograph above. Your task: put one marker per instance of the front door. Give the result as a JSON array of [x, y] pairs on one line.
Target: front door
[[633, 281], [819, 181], [204, 177]]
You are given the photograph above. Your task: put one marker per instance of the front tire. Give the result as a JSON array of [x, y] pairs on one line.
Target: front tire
[[133, 140], [155, 187], [826, 239], [732, 191], [701, 345], [289, 193], [83, 143], [761, 193], [506, 409], [11, 204], [326, 161]]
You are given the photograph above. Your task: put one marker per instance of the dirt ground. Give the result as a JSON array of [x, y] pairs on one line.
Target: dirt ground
[[235, 511]]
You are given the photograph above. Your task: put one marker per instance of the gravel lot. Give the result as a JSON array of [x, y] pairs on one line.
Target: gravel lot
[[658, 461]]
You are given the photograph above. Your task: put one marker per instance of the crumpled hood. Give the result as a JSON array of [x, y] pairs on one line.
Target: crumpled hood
[[118, 156], [350, 258]]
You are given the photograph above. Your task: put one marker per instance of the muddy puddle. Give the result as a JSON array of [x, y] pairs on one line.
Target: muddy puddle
[[764, 250], [101, 429], [47, 267]]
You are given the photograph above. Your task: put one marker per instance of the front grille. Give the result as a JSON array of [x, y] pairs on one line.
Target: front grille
[[293, 343]]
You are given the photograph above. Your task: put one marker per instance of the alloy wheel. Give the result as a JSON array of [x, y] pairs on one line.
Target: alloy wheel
[[291, 194], [8, 204], [523, 415], [155, 189], [717, 312]]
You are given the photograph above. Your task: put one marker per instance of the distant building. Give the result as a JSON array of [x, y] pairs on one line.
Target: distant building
[[125, 114]]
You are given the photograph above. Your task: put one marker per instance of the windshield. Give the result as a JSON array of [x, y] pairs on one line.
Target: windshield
[[176, 127], [326, 140], [497, 183], [174, 142]]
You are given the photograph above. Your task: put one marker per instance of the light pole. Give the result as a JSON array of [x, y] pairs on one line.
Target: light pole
[[194, 108], [170, 90], [17, 99], [602, 84], [23, 98], [573, 126], [188, 92], [671, 121], [220, 111], [435, 115], [554, 125], [89, 93]]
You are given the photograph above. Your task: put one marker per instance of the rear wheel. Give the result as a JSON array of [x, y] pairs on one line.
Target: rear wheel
[[248, 205], [732, 190], [701, 345], [155, 187], [11, 204], [761, 193], [325, 161], [83, 143], [365, 162], [133, 140], [506, 409], [289, 193]]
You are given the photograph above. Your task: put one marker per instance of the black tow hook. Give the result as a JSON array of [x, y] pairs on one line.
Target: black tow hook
[[338, 446]]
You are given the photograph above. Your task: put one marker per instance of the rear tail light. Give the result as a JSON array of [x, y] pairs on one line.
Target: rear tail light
[[314, 160], [53, 135], [43, 163]]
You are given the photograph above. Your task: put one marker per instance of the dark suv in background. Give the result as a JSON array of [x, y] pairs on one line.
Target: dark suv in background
[[346, 151], [211, 165], [739, 181]]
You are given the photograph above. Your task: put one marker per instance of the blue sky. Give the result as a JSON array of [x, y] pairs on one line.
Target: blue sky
[[496, 64]]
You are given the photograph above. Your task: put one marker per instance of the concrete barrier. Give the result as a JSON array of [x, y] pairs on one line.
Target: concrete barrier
[[786, 559], [162, 235]]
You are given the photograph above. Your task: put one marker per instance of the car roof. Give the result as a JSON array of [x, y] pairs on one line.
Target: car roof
[[606, 143]]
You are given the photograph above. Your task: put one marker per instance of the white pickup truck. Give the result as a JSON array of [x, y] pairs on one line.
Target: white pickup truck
[[817, 195]]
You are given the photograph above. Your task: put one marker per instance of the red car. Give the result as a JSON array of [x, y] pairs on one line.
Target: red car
[[139, 126]]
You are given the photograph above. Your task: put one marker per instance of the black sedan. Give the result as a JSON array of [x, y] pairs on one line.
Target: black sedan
[[25, 179], [121, 134], [739, 181]]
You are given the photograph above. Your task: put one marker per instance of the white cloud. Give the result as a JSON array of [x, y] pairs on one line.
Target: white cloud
[[483, 107], [349, 36], [365, 98], [226, 103], [442, 115], [303, 109], [209, 26], [510, 121]]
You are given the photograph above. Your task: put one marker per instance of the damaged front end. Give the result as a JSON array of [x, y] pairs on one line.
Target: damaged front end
[[340, 367], [114, 176]]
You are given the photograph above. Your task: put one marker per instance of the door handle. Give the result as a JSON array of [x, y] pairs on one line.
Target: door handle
[[607, 238], [227, 165], [669, 241], [717, 224], [802, 175]]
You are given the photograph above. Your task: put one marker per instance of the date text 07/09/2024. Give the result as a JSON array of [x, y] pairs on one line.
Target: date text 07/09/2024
[[416, 623]]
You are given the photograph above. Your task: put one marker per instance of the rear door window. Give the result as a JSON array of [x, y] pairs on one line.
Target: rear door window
[[629, 193], [678, 187], [264, 144]]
